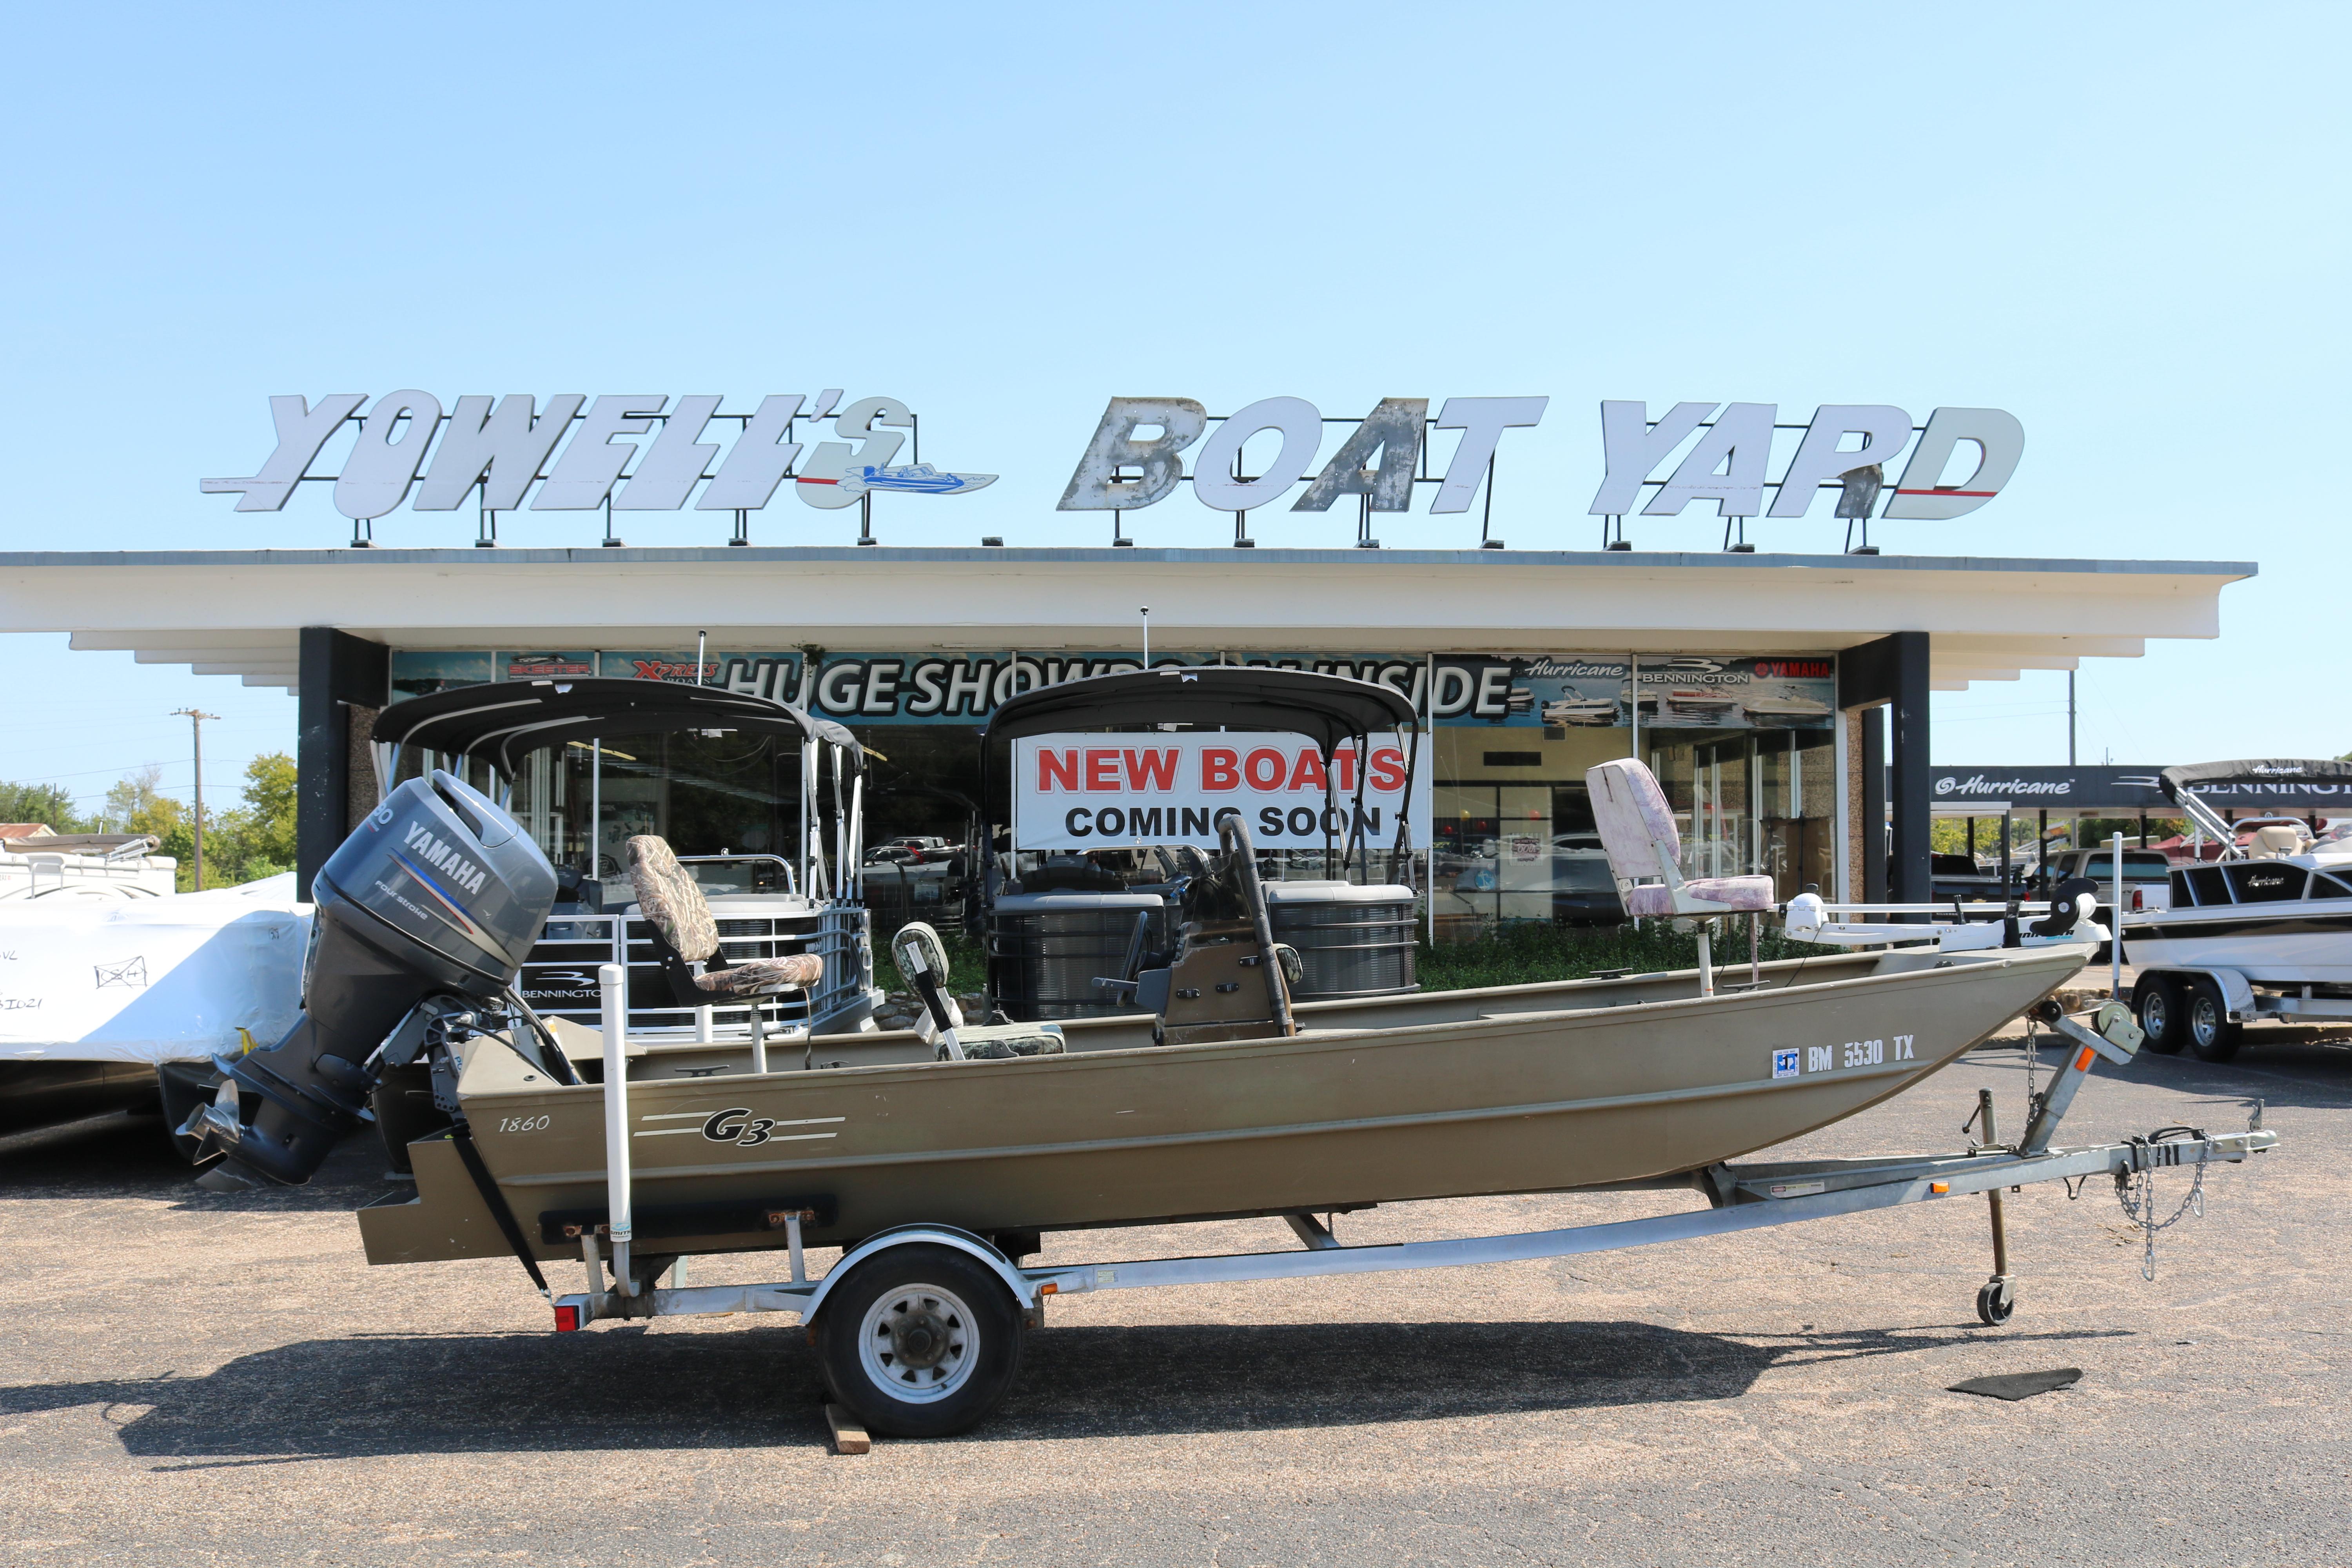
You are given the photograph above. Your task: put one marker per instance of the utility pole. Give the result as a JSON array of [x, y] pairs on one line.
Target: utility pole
[[195, 719]]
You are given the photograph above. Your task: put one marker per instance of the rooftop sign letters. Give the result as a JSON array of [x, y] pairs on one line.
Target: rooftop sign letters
[[1135, 458], [655, 453], [407, 442]]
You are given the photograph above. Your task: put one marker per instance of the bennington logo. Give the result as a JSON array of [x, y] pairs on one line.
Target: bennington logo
[[1976, 783], [463, 872]]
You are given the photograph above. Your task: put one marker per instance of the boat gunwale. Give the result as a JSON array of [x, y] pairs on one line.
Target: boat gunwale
[[1308, 1042]]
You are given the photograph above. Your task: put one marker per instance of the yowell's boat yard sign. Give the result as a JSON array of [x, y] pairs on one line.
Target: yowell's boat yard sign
[[653, 452], [500, 447]]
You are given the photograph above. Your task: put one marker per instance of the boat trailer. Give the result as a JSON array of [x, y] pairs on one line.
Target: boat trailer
[[1748, 1196]]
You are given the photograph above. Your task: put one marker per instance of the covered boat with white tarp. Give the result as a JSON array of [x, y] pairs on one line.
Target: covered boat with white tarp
[[100, 999]]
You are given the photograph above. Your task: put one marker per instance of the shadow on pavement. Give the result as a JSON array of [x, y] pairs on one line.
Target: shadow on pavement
[[137, 1160], [624, 1388], [2279, 1065]]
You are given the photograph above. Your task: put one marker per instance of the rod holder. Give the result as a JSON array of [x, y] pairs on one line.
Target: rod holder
[[612, 984]]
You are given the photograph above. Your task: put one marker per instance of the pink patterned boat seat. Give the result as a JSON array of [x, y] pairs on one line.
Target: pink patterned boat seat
[[1740, 893], [1637, 827], [1635, 824]]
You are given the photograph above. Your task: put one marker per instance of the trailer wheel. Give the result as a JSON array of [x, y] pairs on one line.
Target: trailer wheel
[[2158, 1000], [1997, 1301], [921, 1342], [2211, 1035]]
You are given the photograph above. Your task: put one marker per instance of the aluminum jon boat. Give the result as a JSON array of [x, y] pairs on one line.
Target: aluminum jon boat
[[1525, 1088], [936, 1156]]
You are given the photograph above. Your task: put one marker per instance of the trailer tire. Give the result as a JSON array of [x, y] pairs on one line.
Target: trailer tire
[[920, 1341], [2157, 1002], [2211, 1034]]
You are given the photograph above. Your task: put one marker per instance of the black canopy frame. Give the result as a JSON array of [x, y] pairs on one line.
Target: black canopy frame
[[501, 722]]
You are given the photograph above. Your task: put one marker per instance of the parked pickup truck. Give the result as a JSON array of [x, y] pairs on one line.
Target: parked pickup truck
[[2147, 876], [1960, 876]]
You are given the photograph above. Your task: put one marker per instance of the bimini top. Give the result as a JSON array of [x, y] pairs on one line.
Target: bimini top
[[1327, 708], [2257, 771], [503, 722]]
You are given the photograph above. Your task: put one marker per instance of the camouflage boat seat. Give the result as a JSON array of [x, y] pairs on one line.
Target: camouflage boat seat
[[686, 937]]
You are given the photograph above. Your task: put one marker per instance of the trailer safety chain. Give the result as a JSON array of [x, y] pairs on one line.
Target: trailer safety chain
[[2137, 1191]]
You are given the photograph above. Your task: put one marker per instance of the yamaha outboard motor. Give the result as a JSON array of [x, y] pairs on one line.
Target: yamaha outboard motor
[[439, 894]]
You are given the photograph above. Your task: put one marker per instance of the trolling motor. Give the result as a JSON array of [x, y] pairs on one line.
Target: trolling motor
[[424, 917]]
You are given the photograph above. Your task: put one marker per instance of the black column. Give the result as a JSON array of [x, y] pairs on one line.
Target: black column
[[1909, 870], [337, 669], [1873, 806], [1893, 670]]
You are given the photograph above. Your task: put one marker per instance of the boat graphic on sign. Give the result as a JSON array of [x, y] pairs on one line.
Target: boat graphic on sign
[[915, 478]]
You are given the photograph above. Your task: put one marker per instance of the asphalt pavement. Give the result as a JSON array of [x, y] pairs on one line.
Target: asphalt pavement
[[193, 1379]]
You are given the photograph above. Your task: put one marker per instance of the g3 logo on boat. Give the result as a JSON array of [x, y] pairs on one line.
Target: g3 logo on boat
[[738, 1126]]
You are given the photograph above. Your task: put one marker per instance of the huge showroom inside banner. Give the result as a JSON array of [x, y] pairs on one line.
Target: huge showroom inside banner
[[1550, 692]]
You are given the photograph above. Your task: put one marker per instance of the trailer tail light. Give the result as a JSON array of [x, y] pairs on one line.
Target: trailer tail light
[[567, 1319]]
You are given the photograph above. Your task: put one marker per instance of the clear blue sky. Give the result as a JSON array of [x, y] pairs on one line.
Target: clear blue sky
[[2125, 224]]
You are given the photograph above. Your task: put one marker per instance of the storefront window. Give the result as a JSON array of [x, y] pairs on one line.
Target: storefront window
[[1514, 831], [1757, 801], [1742, 745]]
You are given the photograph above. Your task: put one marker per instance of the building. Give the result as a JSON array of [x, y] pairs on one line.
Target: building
[[1752, 683]]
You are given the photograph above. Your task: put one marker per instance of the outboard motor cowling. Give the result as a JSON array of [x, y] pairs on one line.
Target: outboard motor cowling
[[439, 892]]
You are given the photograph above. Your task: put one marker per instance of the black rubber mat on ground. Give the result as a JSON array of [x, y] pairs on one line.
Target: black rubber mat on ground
[[2019, 1384]]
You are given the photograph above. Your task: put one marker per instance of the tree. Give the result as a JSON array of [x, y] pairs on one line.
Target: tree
[[136, 804], [243, 844], [270, 783], [39, 802], [255, 839]]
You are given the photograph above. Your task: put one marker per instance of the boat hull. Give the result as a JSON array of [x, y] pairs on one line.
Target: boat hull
[[1529, 1088], [2302, 942]]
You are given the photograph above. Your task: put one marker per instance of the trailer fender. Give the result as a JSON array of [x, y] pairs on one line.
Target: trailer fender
[[1025, 1290], [2237, 992]]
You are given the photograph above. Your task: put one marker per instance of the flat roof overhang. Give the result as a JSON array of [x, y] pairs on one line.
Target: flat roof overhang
[[241, 611]]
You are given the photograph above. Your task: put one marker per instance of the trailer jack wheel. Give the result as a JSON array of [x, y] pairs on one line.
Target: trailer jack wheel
[[1997, 1301]]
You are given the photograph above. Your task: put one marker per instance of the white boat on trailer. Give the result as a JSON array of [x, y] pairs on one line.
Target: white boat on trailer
[[2262, 934]]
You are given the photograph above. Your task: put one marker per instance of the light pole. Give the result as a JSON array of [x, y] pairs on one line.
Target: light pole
[[2069, 718], [195, 719]]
